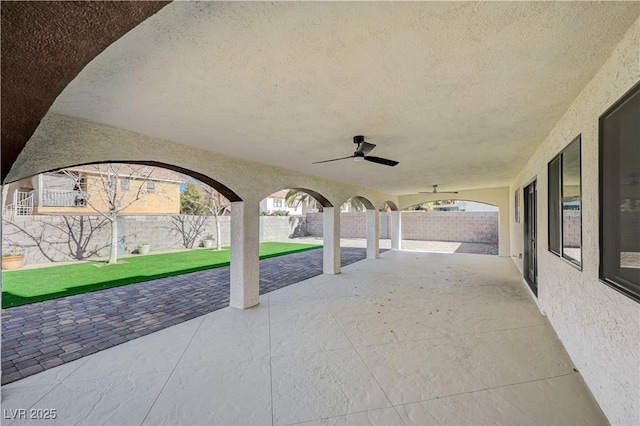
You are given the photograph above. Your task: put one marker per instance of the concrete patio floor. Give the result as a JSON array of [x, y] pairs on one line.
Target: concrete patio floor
[[43, 335], [410, 338], [414, 245]]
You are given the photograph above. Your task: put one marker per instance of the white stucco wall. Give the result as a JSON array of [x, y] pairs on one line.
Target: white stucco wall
[[599, 327]]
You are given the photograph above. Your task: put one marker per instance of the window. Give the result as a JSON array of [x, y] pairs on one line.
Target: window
[[151, 187], [110, 184], [554, 206], [565, 203], [619, 180], [124, 185], [277, 202], [516, 204]]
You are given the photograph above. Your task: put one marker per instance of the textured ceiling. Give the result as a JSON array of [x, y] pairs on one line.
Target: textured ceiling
[[460, 93]]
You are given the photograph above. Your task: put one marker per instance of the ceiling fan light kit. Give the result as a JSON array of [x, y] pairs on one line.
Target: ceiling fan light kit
[[361, 152]]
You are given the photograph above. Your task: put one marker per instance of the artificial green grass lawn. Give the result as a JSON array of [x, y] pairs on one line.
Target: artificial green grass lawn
[[35, 285]]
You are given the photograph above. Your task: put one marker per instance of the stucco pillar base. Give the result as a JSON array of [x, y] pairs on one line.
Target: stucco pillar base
[[396, 230], [331, 233], [373, 232], [244, 268]]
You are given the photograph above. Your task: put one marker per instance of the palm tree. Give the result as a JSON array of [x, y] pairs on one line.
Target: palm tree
[[355, 205], [295, 197], [429, 206]]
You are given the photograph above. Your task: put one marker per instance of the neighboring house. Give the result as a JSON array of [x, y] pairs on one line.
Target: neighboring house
[[447, 208], [466, 206], [66, 192], [276, 201]]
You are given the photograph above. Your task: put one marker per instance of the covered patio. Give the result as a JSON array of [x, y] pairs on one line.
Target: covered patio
[[489, 101], [410, 338]]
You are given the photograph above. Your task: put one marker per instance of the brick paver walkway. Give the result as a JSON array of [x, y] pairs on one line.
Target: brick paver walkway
[[44, 335]]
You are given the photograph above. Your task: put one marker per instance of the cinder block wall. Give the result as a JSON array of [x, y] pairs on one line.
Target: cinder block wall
[[572, 231], [277, 228], [46, 239], [314, 224], [52, 238], [171, 232], [352, 225], [466, 227]]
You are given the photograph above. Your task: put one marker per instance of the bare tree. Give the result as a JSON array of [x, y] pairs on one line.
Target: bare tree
[[71, 237], [79, 231], [12, 232], [217, 206], [109, 189], [199, 199], [189, 228]]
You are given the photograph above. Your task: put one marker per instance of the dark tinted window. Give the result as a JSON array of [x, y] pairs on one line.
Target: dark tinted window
[[620, 195], [554, 205]]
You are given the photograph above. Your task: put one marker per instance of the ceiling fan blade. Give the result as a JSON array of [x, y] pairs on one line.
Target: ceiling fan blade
[[379, 160], [447, 192], [365, 147], [335, 159]]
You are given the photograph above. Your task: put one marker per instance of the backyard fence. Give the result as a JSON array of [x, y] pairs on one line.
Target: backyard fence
[[65, 238], [465, 227], [46, 238]]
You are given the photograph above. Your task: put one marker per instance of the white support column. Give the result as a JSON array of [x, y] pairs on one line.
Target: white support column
[[373, 234], [244, 270], [331, 233], [396, 230], [504, 239]]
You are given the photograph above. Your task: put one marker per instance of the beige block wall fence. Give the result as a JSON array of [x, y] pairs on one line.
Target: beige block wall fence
[[467, 227], [55, 235]]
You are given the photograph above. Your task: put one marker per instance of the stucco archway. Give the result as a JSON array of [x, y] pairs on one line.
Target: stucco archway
[[390, 206], [372, 226], [498, 197], [453, 226], [365, 202]]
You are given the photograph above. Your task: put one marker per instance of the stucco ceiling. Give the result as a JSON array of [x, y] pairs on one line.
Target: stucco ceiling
[[460, 93]]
